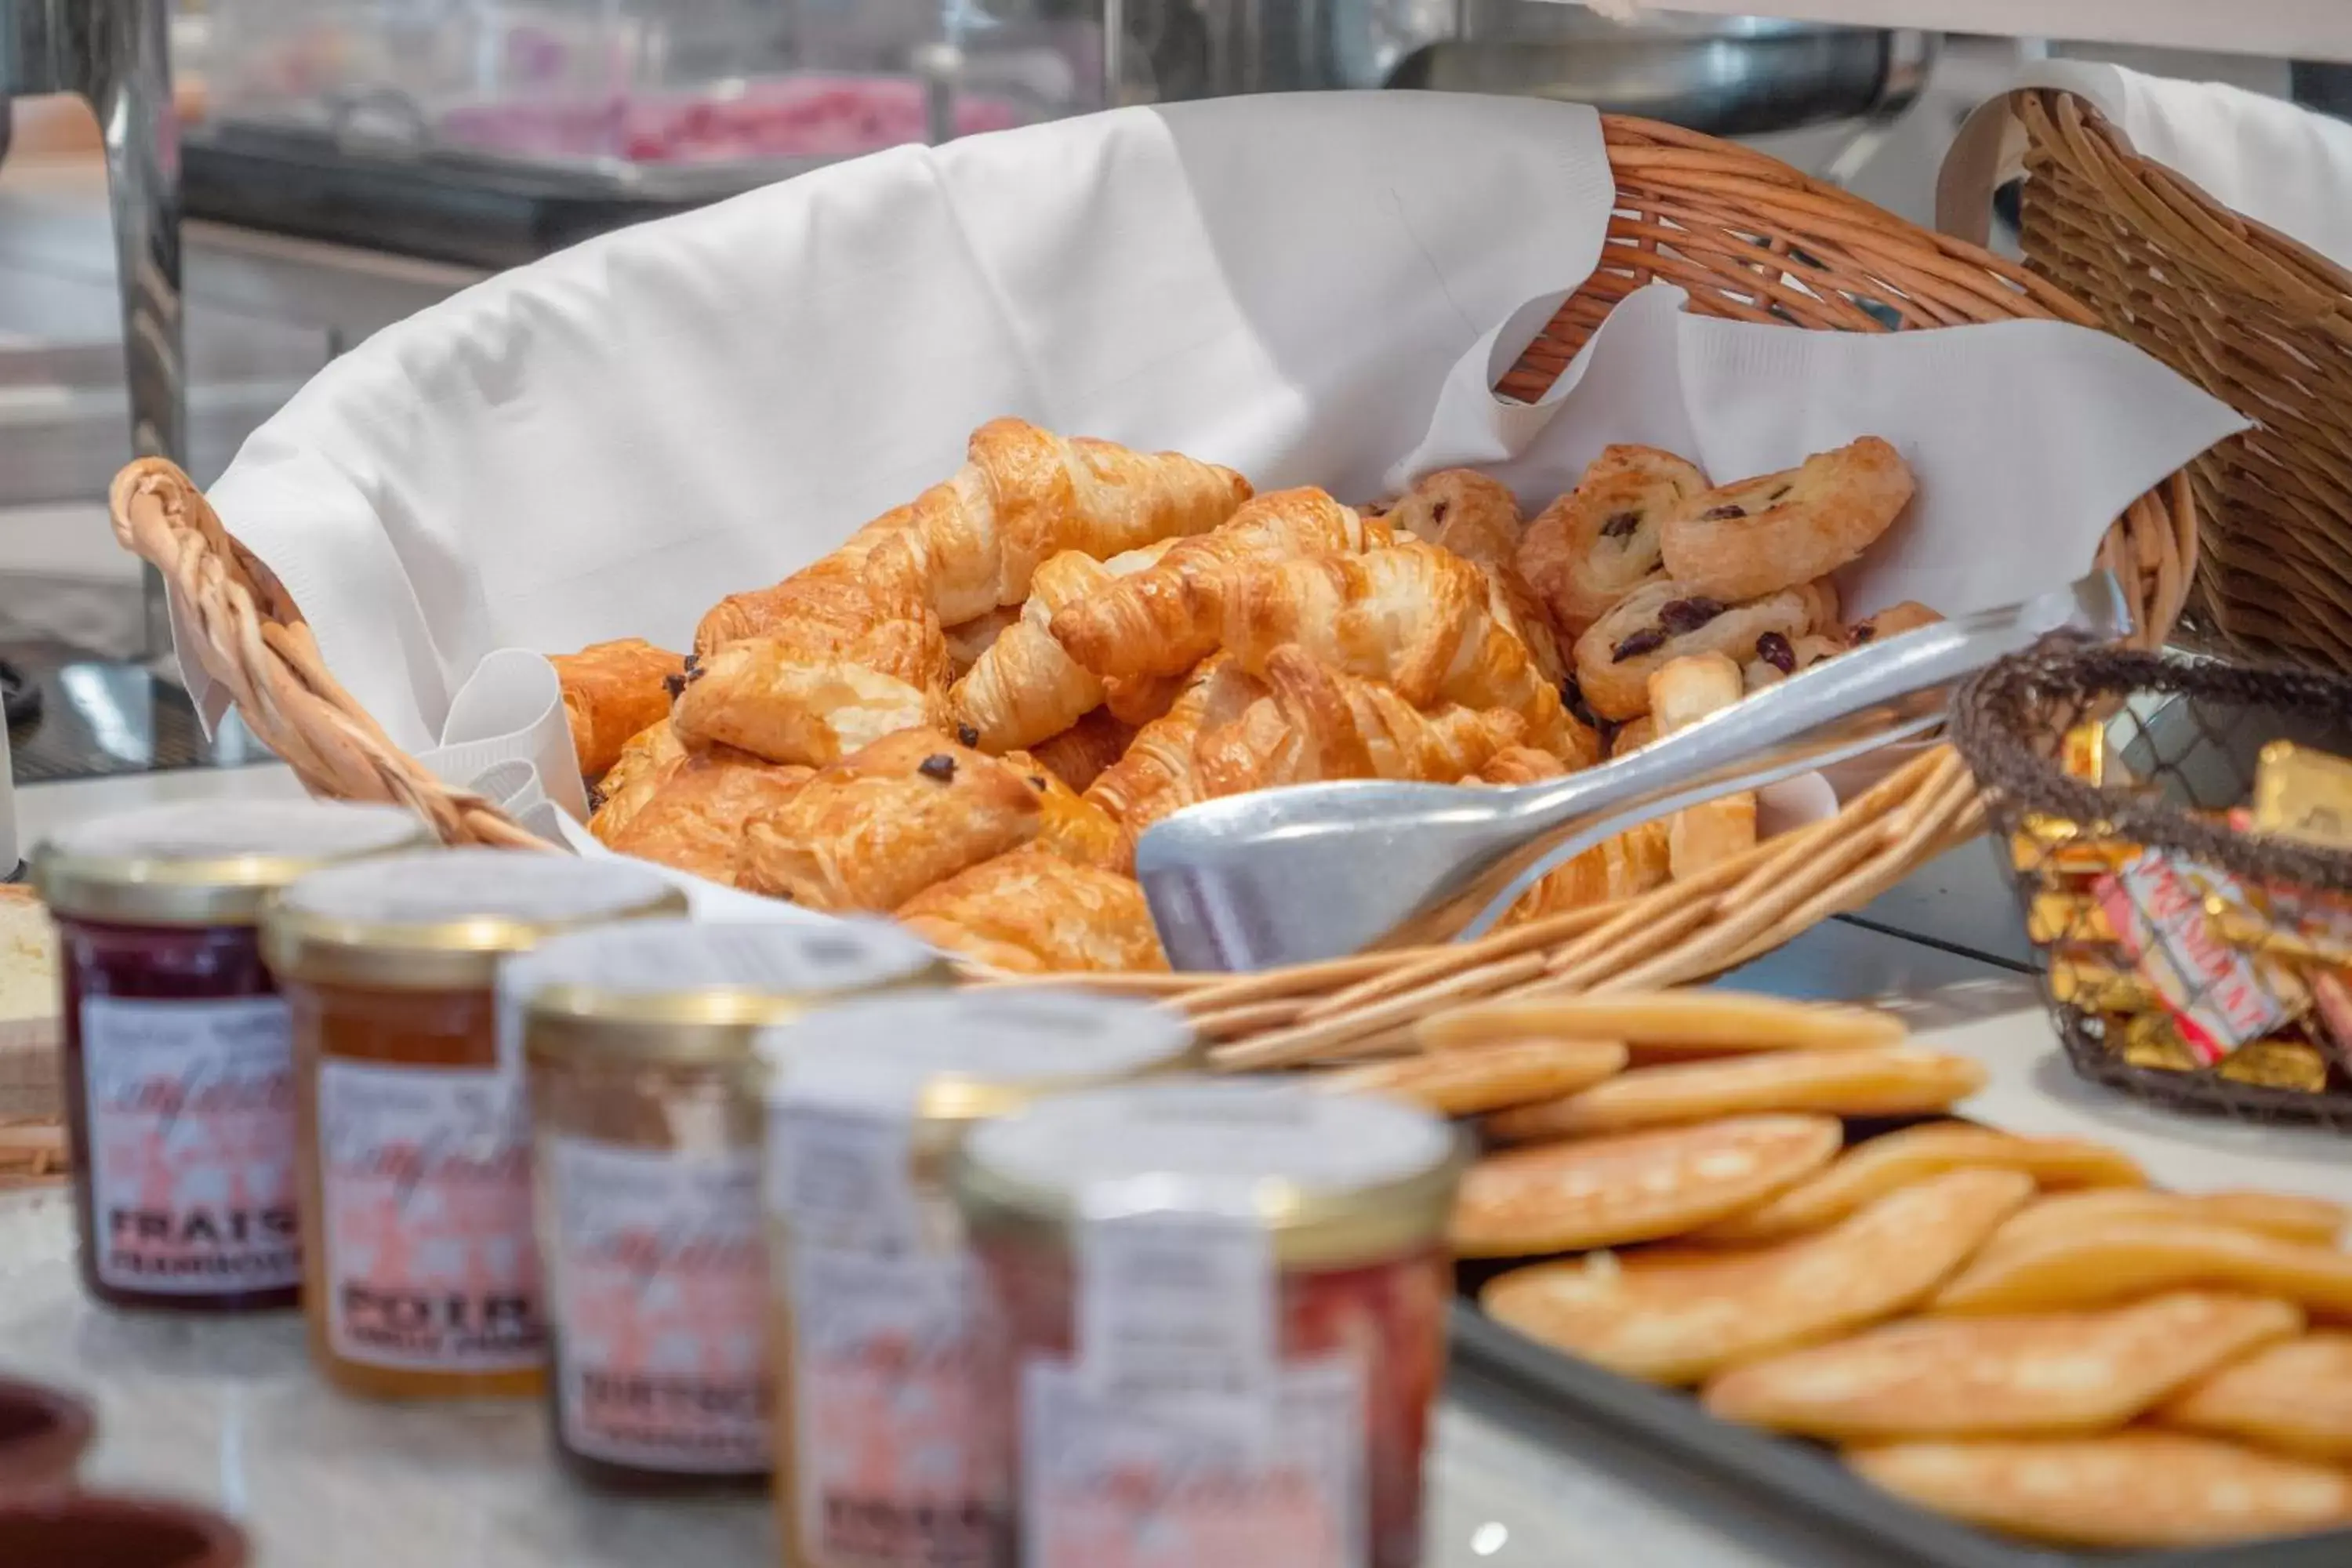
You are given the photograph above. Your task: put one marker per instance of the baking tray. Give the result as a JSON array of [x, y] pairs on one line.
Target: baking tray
[[1799, 1478]]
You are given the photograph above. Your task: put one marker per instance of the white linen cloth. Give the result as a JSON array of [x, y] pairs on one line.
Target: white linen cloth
[[2269, 160]]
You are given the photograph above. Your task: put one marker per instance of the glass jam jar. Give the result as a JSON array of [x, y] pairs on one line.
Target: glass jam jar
[[178, 1068], [645, 1132], [889, 1454], [421, 1279], [1225, 1306]]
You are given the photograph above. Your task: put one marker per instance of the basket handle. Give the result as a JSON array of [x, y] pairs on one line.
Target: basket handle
[[249, 635]]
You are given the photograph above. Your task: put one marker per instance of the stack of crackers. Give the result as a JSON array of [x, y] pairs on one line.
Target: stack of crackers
[[2015, 1332]]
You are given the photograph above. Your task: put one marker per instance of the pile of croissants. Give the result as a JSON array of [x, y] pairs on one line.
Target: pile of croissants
[[966, 714]]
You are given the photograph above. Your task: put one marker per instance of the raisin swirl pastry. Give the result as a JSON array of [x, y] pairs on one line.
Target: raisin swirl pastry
[[1762, 535], [1600, 541], [1665, 621]]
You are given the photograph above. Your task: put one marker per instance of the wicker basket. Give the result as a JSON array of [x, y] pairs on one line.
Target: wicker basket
[[1751, 238], [2258, 319]]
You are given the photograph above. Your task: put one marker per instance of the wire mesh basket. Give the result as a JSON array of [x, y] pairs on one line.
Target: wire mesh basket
[[2179, 834]]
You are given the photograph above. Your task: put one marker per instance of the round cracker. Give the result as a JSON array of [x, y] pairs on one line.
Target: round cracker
[[2127, 1489], [1492, 1077], [2295, 1396], [2286, 1215], [1643, 1186], [1899, 1080], [1679, 1315]]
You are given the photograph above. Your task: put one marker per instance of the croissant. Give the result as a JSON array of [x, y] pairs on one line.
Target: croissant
[[652, 754], [694, 819], [1164, 621], [1069, 824], [1416, 616], [611, 690], [762, 696], [879, 826], [876, 575], [1633, 862], [1033, 912], [1160, 772], [1078, 755], [1025, 494], [969, 641], [1026, 688], [1317, 724]]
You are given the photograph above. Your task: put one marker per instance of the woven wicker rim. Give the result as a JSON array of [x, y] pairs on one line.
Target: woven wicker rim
[[2002, 726], [1750, 239], [2256, 318]]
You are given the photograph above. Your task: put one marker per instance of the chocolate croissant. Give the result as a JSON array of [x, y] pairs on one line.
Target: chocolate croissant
[[765, 696], [611, 690], [1316, 724], [694, 818], [1663, 621], [1415, 616], [1024, 495], [879, 826], [652, 754], [1164, 621], [1069, 824], [1600, 541], [1026, 688], [1463, 510], [1033, 912]]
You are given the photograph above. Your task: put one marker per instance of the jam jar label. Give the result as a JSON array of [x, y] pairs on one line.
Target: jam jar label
[[1107, 1483], [658, 1287], [430, 1265], [192, 1144], [897, 1461]]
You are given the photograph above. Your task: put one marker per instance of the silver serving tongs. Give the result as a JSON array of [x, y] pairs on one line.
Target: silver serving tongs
[[1290, 875]]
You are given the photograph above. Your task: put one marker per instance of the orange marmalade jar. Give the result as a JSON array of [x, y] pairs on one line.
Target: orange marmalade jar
[[179, 1070], [892, 1453], [421, 1278], [1224, 1304], [645, 1130]]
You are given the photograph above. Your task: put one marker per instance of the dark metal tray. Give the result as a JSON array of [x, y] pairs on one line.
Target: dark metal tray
[[1792, 1476]]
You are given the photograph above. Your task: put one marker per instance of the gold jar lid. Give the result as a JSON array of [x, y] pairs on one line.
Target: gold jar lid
[[695, 992], [1339, 1180], [951, 1057], [443, 920], [213, 863]]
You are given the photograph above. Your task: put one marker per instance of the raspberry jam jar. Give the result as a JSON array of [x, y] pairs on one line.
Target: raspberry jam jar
[[1225, 1308], [891, 1451], [421, 1278], [178, 1067], [645, 1132]]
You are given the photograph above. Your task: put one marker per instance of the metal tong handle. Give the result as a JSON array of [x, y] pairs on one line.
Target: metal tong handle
[[1838, 710]]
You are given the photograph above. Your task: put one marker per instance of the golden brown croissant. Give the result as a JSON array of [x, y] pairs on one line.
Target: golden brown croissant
[[1164, 621], [1026, 688], [1025, 494], [694, 819], [1078, 755], [1070, 826], [761, 695], [651, 755], [1633, 862], [968, 641], [1033, 912], [611, 690], [874, 577], [1160, 772], [1416, 616], [1317, 724], [879, 826]]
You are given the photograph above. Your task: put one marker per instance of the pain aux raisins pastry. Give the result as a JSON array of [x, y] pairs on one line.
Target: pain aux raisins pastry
[[984, 697]]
